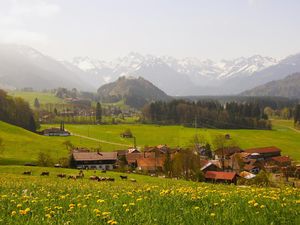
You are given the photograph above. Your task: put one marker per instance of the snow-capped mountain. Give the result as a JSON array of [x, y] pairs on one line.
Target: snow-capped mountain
[[175, 76]]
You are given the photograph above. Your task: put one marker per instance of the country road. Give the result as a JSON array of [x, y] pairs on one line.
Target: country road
[[101, 141]]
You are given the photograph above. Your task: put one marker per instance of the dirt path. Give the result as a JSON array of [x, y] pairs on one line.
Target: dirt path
[[101, 141]]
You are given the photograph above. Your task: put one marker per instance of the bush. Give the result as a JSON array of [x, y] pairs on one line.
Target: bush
[[44, 159]]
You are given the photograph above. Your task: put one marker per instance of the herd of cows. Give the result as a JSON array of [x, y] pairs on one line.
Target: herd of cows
[[80, 175]]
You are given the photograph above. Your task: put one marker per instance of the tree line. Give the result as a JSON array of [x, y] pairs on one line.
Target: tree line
[[209, 114], [17, 112]]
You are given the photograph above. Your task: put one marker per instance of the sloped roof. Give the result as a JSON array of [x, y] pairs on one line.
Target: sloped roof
[[263, 150], [92, 156], [228, 151], [281, 159], [249, 167], [220, 175], [247, 175]]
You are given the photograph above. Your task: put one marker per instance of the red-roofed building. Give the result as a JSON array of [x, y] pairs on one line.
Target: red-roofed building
[[221, 177], [264, 153], [282, 160]]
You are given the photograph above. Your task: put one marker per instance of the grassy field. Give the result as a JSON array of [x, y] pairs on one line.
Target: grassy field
[[21, 146], [51, 200], [282, 136], [42, 97]]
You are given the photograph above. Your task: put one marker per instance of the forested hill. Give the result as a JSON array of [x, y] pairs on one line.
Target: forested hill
[[136, 92], [16, 111], [288, 87]]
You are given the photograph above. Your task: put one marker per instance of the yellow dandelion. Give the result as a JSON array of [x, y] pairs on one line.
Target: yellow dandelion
[[13, 213], [212, 214]]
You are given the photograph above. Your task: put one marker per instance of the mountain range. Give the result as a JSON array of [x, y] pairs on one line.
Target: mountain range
[[22, 66]]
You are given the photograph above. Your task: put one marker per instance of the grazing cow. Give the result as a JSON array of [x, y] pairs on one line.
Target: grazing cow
[[110, 179], [61, 175], [45, 174], [94, 178], [72, 177], [123, 177], [133, 180], [27, 173]]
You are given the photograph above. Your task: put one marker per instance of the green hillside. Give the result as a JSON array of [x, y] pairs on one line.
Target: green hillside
[[283, 136], [43, 97], [21, 146]]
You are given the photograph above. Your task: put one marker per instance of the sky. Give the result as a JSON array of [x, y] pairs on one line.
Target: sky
[[106, 29]]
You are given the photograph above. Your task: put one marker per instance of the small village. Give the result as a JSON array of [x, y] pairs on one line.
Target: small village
[[227, 166]]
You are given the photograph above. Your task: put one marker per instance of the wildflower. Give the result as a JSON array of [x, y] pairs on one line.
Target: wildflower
[[96, 211], [196, 207], [124, 205], [48, 216], [19, 205], [262, 206], [13, 213], [132, 204], [212, 214], [71, 205], [112, 222], [255, 204], [27, 210], [105, 213], [127, 210], [100, 201]]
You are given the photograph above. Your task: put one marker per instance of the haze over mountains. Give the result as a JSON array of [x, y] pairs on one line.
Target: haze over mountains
[[22, 66]]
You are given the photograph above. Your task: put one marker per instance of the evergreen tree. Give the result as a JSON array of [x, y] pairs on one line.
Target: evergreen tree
[[297, 115], [98, 113], [37, 103]]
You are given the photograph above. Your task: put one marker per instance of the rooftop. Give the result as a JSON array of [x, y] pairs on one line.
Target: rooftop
[[220, 175], [270, 149], [92, 156]]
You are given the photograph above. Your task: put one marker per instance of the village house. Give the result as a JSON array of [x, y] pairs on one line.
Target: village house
[[54, 131], [94, 160], [221, 177], [150, 164]]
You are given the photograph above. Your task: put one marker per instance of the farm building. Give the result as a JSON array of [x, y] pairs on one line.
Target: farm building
[[94, 160], [150, 164], [55, 132], [221, 177], [264, 153]]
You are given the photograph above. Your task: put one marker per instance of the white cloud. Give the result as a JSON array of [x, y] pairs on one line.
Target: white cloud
[[13, 24], [39, 8]]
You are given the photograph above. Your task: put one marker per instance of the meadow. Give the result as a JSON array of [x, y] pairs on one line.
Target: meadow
[[43, 97], [283, 136], [51, 200], [21, 146]]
